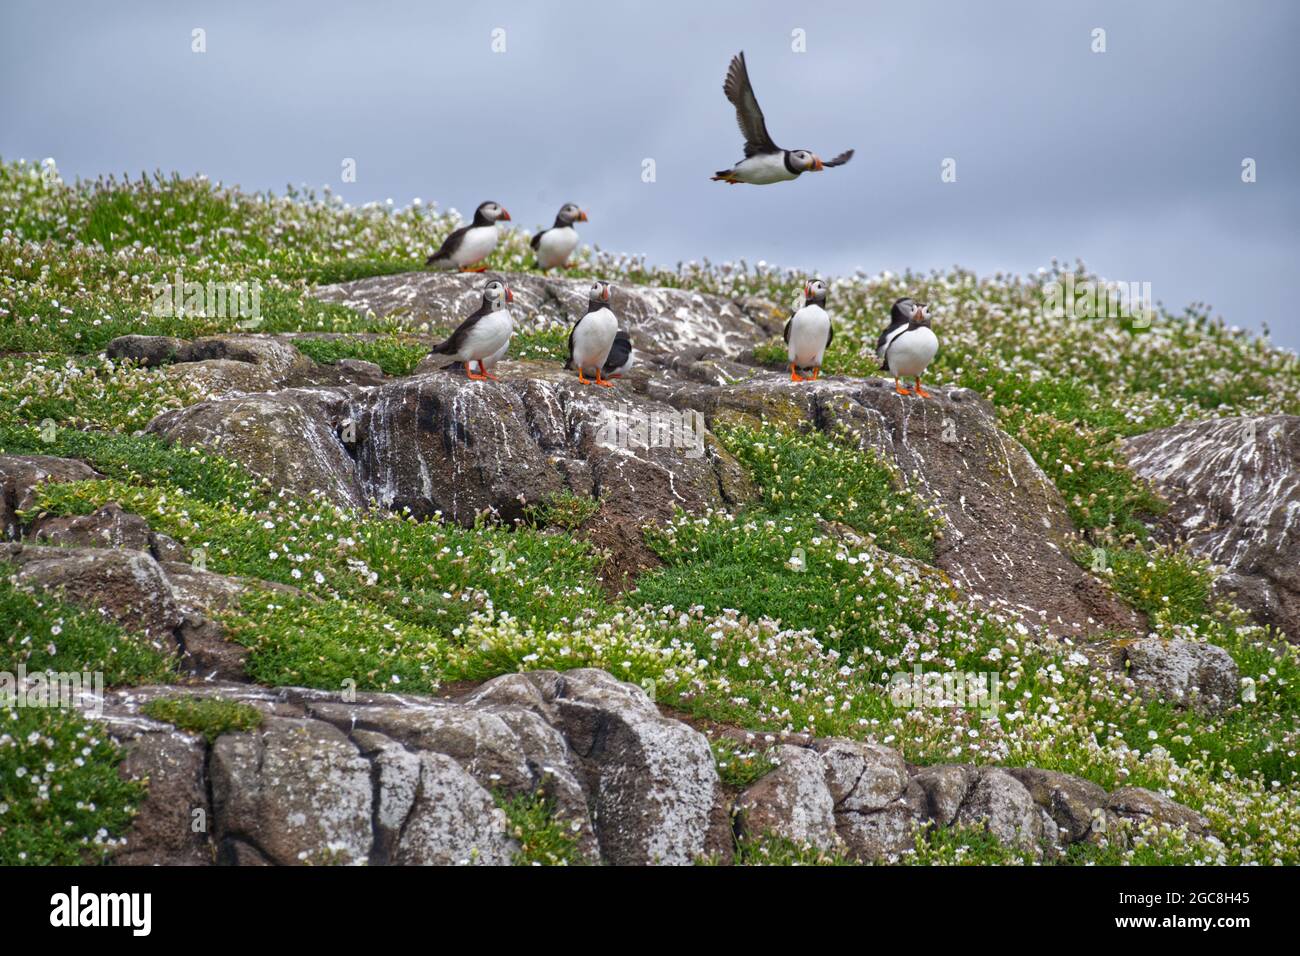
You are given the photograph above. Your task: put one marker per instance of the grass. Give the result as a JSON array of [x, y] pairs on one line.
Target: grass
[[543, 840], [208, 716], [394, 355]]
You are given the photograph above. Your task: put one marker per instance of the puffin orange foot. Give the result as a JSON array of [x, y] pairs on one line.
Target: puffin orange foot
[[474, 269], [920, 391], [600, 380], [794, 374], [817, 370], [901, 390], [583, 379]]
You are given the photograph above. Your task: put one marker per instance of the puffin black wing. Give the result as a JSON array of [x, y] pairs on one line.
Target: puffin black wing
[[449, 245], [748, 115], [618, 353], [886, 339], [536, 241], [786, 331], [839, 160], [457, 338], [569, 362]]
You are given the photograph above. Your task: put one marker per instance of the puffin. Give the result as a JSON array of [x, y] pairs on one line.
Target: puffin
[[484, 336], [764, 162], [621, 356], [592, 337], [554, 246], [808, 332], [471, 244], [908, 345]]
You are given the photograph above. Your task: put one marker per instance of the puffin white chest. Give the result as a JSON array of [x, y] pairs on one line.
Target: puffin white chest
[[476, 246], [593, 338], [912, 351], [764, 169], [809, 329], [555, 246], [490, 335]]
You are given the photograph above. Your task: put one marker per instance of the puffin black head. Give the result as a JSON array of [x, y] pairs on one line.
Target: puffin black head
[[569, 214], [490, 212], [598, 294], [803, 161], [496, 294], [904, 311], [814, 292]]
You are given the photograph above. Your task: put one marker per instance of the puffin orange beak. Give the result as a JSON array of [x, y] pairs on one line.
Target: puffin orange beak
[[510, 296], [816, 167], [807, 291], [605, 294], [582, 215], [505, 214]]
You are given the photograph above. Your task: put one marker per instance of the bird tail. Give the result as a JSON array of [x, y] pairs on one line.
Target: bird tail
[[724, 176], [440, 262]]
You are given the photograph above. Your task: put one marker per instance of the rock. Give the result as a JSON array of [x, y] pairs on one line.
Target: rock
[[650, 781], [148, 350], [1184, 672], [884, 833], [1070, 802], [877, 808], [945, 787], [171, 826], [285, 438], [1142, 805], [296, 790], [452, 820], [862, 776], [19, 477], [1233, 486], [1006, 529], [793, 801], [220, 378], [1001, 803], [660, 320], [532, 435], [361, 372], [281, 359], [107, 527], [128, 586]]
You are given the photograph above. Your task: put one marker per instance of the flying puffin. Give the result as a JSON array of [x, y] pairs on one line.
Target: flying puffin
[[484, 336], [473, 243], [592, 337], [554, 246], [621, 356], [908, 345], [764, 162], [808, 332]]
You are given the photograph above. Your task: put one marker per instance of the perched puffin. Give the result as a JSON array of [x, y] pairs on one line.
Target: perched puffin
[[808, 332], [554, 246], [764, 162], [908, 345], [473, 243], [621, 356], [592, 337], [484, 336]]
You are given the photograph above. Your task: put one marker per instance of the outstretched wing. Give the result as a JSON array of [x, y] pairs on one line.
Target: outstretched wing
[[839, 160], [741, 94]]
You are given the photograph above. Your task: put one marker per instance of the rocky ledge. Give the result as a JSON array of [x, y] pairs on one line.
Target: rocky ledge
[[383, 778]]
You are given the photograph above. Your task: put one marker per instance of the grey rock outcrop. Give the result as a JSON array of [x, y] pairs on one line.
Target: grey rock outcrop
[[1233, 486]]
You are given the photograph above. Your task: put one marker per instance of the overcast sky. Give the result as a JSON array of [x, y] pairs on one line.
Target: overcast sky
[[1129, 159]]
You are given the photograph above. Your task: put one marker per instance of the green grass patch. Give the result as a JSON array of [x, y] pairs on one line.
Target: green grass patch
[[209, 716]]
